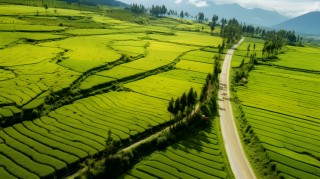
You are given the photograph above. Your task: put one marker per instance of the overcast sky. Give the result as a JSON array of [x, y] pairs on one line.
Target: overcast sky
[[289, 8]]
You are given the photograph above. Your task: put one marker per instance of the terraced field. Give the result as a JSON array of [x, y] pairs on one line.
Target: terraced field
[[63, 87], [242, 53], [60, 140], [292, 58], [195, 157], [281, 103]]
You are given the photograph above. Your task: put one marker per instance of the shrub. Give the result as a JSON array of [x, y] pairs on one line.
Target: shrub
[[117, 164], [35, 113]]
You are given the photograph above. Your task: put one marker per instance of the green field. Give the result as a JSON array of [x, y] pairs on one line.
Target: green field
[[67, 77], [241, 52], [196, 157], [71, 76], [281, 103]]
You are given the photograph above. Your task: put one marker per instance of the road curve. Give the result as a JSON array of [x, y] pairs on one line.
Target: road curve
[[239, 164]]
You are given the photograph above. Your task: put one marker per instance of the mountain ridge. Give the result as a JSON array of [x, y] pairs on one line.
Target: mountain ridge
[[255, 16], [307, 24]]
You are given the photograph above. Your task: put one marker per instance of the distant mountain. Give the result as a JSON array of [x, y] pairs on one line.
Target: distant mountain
[[101, 2], [255, 16], [306, 24]]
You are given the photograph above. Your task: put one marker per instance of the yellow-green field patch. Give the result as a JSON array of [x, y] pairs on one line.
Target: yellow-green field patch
[[195, 66]]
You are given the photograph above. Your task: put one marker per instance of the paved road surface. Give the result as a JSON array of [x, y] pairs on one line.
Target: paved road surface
[[238, 161]]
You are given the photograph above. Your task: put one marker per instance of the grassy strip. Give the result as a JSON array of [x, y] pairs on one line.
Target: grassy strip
[[165, 168], [252, 145]]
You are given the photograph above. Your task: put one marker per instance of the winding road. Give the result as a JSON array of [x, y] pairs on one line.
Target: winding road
[[237, 158]]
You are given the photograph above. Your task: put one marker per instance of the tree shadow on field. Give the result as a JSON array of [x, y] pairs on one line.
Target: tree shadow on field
[[196, 141], [222, 87]]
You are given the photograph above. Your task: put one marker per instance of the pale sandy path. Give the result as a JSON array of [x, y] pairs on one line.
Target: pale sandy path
[[237, 158]]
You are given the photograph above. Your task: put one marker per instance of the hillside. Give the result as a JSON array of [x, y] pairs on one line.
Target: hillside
[[307, 24], [101, 2], [91, 77]]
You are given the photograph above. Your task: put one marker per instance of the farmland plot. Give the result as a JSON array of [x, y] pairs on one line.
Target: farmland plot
[[85, 53], [244, 51], [29, 73], [73, 132], [282, 107], [293, 58], [49, 68], [195, 157]]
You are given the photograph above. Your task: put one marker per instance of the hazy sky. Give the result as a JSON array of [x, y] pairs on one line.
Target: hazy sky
[[289, 8]]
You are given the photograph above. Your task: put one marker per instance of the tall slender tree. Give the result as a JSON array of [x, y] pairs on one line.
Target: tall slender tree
[[213, 22], [176, 106], [181, 14], [171, 107], [183, 102]]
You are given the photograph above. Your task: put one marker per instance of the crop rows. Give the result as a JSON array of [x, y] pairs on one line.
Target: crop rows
[[193, 39], [85, 53], [304, 58], [30, 10], [71, 133], [186, 75], [200, 56], [29, 28], [242, 52], [158, 54], [284, 115], [162, 87], [20, 87], [195, 66], [130, 48], [196, 157], [37, 67], [10, 37], [29, 73]]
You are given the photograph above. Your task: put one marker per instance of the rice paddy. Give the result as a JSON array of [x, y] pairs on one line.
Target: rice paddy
[[196, 157], [48, 74], [281, 104]]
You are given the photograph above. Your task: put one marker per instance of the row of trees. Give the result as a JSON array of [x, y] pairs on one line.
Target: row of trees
[[231, 30], [188, 101], [213, 22], [138, 9], [221, 47], [158, 10], [211, 85], [289, 37], [184, 102], [242, 73], [275, 40], [154, 10], [200, 17]]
